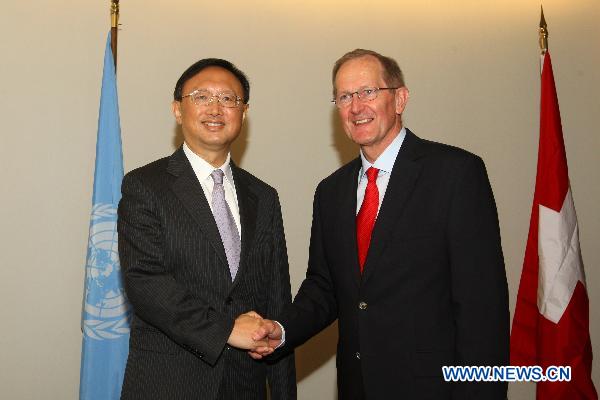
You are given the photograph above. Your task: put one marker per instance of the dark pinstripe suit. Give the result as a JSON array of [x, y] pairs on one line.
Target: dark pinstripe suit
[[177, 279]]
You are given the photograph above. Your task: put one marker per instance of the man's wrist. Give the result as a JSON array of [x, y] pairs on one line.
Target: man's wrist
[[282, 335]]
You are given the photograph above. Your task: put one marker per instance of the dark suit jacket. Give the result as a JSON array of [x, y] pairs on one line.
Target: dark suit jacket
[[178, 282], [433, 291]]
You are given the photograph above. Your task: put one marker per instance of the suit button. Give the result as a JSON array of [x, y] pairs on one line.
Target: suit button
[[362, 305], [358, 355], [228, 301]]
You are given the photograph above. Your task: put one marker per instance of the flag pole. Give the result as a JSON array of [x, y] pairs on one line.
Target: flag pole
[[114, 28], [543, 32]]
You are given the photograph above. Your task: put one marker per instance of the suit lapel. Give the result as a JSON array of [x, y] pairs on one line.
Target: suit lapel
[[347, 220], [188, 190], [402, 181], [247, 203]]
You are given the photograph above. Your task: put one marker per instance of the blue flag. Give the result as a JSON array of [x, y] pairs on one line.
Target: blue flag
[[106, 313]]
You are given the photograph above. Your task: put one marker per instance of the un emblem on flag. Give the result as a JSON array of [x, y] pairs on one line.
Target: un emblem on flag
[[106, 311]]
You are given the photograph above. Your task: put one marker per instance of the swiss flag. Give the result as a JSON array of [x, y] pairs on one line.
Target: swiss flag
[[551, 322]]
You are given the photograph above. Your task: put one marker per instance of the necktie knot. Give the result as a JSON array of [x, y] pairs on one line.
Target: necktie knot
[[217, 176], [372, 174]]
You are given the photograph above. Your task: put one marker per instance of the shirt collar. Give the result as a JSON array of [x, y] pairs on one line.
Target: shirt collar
[[203, 169], [385, 162]]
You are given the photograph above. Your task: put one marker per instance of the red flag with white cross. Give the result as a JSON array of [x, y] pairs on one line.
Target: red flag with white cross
[[551, 321]]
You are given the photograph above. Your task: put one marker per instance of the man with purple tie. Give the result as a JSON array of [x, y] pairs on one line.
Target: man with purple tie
[[198, 239]]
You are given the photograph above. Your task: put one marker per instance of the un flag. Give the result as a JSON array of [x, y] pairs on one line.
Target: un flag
[[106, 313]]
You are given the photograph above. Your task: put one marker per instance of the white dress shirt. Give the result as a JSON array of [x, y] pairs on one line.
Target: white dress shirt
[[203, 171], [384, 163]]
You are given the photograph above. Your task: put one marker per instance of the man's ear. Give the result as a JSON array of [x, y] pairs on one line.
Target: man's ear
[[245, 112], [401, 99], [176, 106]]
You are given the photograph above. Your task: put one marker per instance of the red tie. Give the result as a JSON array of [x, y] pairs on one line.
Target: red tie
[[365, 219]]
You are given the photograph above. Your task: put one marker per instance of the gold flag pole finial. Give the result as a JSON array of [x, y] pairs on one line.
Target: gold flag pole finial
[[114, 28], [114, 13], [543, 33]]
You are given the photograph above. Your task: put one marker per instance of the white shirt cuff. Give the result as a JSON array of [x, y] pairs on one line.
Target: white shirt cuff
[[282, 335]]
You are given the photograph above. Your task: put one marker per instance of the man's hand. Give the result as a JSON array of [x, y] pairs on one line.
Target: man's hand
[[243, 333], [270, 333]]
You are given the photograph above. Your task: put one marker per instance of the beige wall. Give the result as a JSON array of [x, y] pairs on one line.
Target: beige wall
[[472, 67]]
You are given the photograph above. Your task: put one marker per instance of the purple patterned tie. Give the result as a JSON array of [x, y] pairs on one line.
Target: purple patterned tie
[[225, 223]]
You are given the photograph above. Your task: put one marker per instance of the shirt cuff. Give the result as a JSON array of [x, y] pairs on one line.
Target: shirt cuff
[[282, 335]]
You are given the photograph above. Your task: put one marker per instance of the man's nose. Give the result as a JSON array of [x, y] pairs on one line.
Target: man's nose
[[355, 104], [214, 107]]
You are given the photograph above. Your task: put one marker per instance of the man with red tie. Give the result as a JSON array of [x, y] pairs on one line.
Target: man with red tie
[[405, 252]]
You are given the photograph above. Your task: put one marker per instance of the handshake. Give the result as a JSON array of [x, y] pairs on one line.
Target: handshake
[[257, 335]]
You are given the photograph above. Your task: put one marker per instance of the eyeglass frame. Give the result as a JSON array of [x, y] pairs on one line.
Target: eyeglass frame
[[358, 95], [238, 99]]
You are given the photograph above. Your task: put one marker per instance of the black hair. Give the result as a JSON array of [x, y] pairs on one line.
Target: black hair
[[211, 62]]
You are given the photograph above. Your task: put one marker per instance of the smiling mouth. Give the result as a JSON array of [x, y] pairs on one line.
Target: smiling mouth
[[362, 121], [213, 124]]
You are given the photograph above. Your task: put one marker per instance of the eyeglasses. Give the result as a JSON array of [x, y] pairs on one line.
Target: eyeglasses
[[364, 95], [203, 97]]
